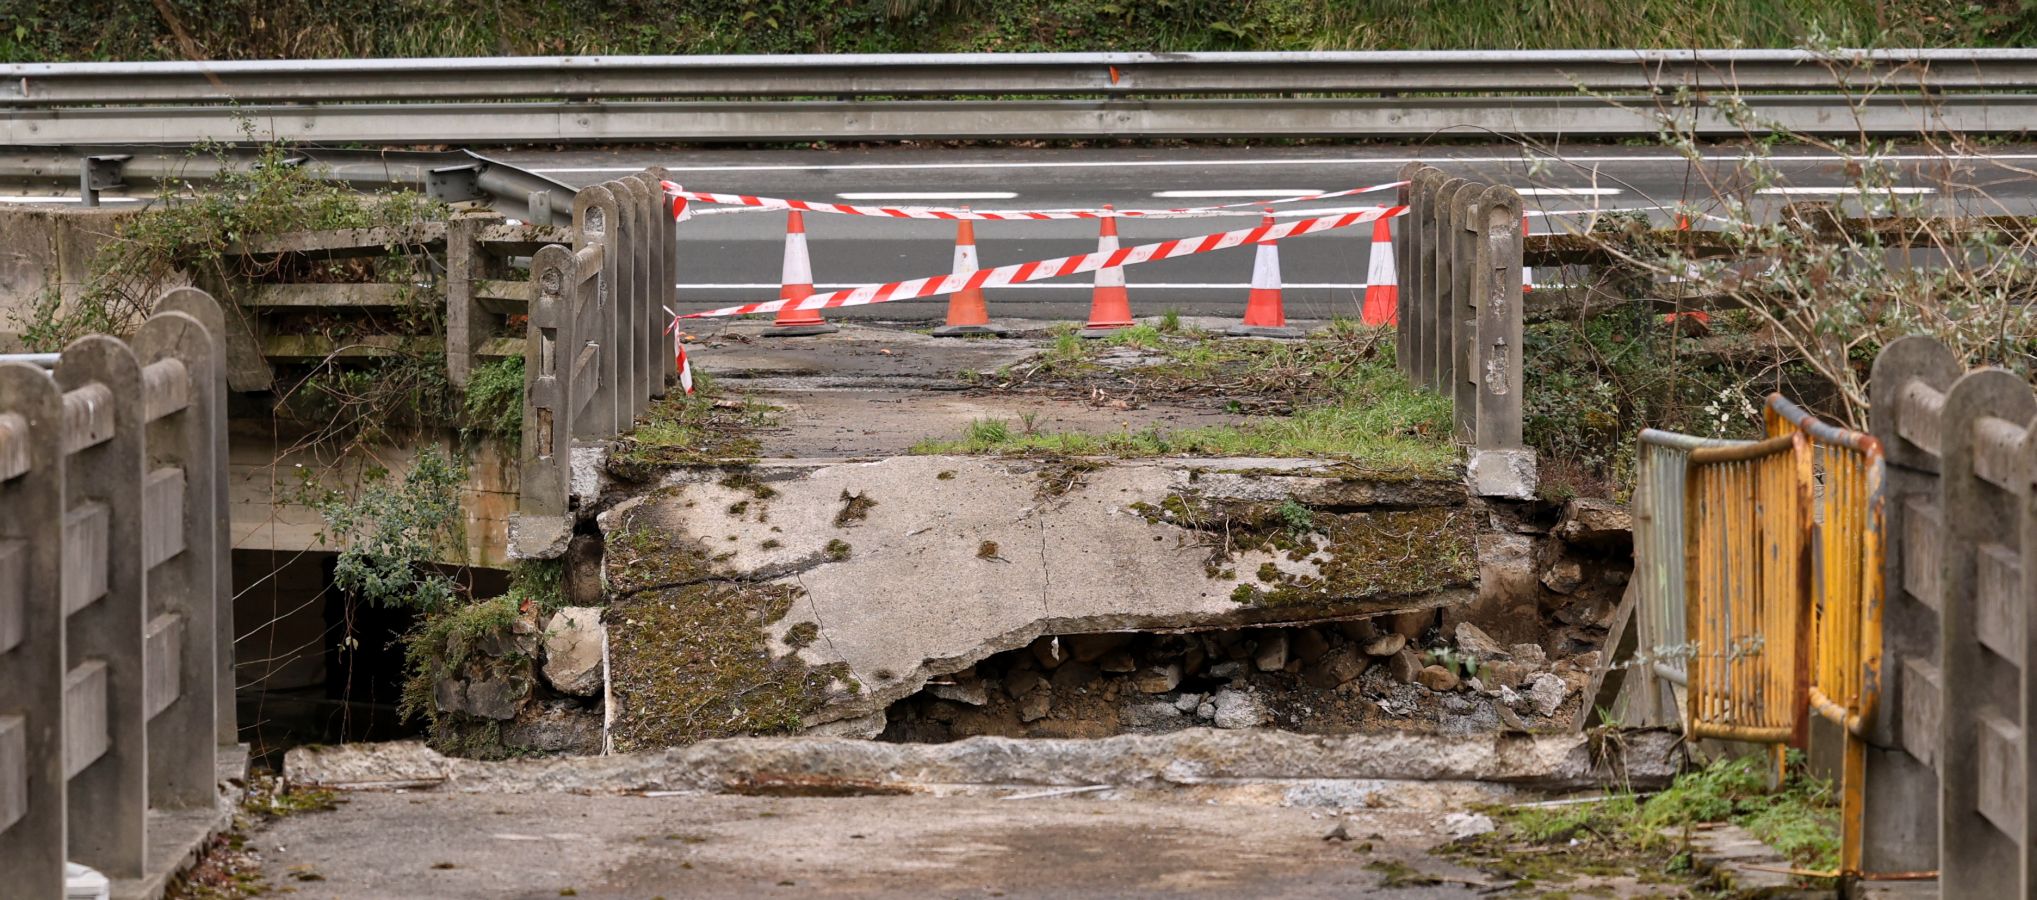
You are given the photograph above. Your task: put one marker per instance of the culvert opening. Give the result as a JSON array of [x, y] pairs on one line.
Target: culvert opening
[[1388, 673]]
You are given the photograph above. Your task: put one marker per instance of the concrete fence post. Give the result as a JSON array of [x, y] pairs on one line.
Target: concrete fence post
[[105, 723], [1495, 361], [667, 294], [201, 307], [466, 319], [1467, 233], [597, 220], [1443, 288], [32, 668], [548, 389], [1427, 200], [644, 372], [1981, 784], [621, 343], [1906, 390], [182, 428]]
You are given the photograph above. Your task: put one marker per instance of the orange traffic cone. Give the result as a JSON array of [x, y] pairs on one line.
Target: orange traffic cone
[[1527, 271], [796, 283], [1110, 308], [966, 313], [1263, 315], [1382, 283]]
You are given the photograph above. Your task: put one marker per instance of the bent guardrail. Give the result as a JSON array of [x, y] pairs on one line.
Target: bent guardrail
[[115, 615]]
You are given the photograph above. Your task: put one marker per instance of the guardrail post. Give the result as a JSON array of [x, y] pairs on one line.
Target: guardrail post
[[178, 555], [105, 724], [1901, 820], [667, 294], [1980, 781], [200, 306], [32, 668]]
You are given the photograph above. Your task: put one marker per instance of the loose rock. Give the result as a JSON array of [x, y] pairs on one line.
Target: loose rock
[[1341, 666], [1236, 709], [1049, 653], [1158, 679], [1036, 705], [1022, 682], [1145, 715], [970, 692], [1272, 653], [1188, 702], [1119, 661], [1404, 666], [1310, 646], [1563, 576], [1528, 653], [1473, 640], [1599, 524], [1092, 647], [1547, 693], [1227, 669], [1412, 625], [1386, 645], [1437, 678]]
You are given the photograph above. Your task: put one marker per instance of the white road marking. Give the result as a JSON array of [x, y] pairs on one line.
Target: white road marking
[[1838, 191], [27, 199], [1235, 163], [1566, 192], [927, 195], [1251, 192]]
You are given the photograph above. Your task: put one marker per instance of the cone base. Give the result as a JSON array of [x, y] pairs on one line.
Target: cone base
[[1263, 331], [1102, 331], [799, 330], [969, 330]]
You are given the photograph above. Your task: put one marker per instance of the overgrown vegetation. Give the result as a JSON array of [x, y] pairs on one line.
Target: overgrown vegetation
[[45, 30], [688, 429], [494, 402], [392, 531], [1335, 395], [693, 658], [1544, 848]]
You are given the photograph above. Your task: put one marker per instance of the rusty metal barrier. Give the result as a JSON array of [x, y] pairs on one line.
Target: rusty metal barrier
[[1659, 512], [1846, 595], [1747, 519]]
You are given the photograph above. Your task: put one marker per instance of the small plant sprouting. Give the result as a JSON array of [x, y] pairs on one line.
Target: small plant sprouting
[[838, 549], [1299, 519]]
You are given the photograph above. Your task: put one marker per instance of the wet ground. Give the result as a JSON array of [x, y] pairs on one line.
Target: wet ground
[[394, 845]]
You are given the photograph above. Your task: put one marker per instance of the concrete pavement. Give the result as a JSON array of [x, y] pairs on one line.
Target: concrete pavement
[[451, 846]]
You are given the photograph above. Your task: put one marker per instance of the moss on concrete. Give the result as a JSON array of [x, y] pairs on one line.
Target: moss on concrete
[[1371, 553], [689, 648]]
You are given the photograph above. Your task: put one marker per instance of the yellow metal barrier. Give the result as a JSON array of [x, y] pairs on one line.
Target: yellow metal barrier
[[1748, 511], [1846, 595]]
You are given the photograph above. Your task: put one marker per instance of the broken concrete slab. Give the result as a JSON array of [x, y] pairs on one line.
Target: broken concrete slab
[[1178, 758], [950, 559], [575, 645]]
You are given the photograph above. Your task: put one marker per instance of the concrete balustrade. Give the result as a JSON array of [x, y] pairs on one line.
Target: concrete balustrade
[[115, 634]]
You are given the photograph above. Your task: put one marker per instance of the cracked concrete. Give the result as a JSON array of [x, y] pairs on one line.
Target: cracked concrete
[[947, 560]]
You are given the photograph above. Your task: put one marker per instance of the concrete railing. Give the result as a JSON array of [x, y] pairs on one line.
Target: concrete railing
[[751, 98], [116, 630], [595, 354], [1459, 257]]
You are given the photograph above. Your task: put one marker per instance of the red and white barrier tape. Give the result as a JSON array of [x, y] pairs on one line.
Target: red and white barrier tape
[[1038, 270], [935, 212]]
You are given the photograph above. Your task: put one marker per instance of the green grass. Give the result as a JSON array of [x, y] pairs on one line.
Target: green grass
[[1800, 819], [51, 30], [1349, 403], [684, 428]]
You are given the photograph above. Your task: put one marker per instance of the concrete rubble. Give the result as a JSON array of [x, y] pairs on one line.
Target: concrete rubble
[[1178, 759]]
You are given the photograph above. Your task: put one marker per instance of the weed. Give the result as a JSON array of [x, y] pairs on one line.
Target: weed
[[855, 508], [837, 549], [494, 401], [1299, 519], [390, 533], [1170, 322]]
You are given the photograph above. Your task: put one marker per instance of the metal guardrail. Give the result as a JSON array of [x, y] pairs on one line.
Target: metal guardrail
[[856, 97], [453, 177], [1659, 510], [115, 611]]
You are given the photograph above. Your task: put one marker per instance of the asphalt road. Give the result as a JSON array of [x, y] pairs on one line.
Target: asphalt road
[[735, 257]]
